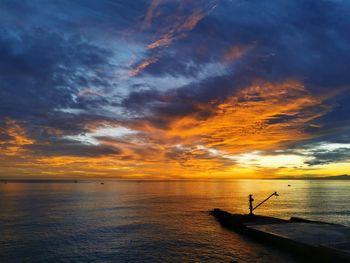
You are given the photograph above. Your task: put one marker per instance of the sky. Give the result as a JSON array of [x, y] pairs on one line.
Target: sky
[[173, 89]]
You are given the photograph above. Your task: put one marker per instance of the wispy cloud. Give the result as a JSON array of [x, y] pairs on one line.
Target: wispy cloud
[[178, 23], [140, 67]]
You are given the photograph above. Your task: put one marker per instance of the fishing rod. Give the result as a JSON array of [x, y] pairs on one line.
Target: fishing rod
[[251, 208]]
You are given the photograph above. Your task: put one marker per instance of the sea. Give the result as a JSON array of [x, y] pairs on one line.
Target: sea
[[153, 221]]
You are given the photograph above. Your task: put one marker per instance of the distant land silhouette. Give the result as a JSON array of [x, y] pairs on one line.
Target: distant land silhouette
[[335, 177]]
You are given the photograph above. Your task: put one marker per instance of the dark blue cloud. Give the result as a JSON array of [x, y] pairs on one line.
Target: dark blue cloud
[[41, 71], [92, 19]]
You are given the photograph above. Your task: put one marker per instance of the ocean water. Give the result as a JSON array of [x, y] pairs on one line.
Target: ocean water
[[155, 221]]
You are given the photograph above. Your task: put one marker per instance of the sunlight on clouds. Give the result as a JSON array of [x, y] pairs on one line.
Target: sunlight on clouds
[[140, 67], [332, 146], [17, 138], [93, 137], [243, 122], [178, 26], [270, 161], [221, 139]]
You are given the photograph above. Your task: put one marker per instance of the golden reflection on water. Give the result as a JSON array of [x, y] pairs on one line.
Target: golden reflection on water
[[171, 215], [296, 196]]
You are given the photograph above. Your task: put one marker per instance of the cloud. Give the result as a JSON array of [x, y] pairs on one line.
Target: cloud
[[144, 64], [323, 153], [150, 13], [167, 26], [43, 72], [174, 23], [47, 70], [209, 135], [198, 82], [304, 46], [13, 138], [70, 148], [326, 157]]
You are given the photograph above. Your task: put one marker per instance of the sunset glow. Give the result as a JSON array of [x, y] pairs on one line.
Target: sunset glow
[[174, 89]]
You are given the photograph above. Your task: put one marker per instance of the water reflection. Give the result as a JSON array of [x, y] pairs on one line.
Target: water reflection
[[152, 221]]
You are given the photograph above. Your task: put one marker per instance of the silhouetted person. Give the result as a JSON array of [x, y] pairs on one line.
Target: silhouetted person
[[251, 204]]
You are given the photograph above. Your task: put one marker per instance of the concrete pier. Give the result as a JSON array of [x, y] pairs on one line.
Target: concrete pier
[[313, 234], [312, 239]]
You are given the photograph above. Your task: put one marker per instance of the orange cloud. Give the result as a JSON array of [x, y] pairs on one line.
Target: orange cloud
[[191, 22], [144, 64], [236, 52], [16, 138], [164, 41], [246, 121]]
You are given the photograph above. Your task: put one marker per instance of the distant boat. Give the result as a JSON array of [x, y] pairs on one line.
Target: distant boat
[[102, 183]]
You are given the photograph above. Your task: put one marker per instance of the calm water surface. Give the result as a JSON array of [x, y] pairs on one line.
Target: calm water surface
[[152, 221]]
